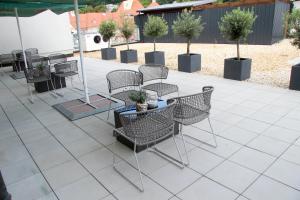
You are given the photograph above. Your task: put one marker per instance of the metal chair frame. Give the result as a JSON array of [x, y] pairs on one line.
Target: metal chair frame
[[66, 69], [120, 83], [136, 128], [152, 72], [192, 109]]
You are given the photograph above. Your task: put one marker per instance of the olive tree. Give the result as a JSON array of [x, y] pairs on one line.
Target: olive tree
[[296, 36], [127, 29], [155, 27], [236, 26], [189, 26], [108, 29]]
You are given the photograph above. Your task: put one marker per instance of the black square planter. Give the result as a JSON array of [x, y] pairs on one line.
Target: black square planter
[[155, 57], [189, 63], [295, 78], [237, 69], [128, 56], [108, 53]]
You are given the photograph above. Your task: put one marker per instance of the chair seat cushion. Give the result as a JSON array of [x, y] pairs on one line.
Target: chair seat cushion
[[186, 114], [124, 96], [162, 89], [66, 74]]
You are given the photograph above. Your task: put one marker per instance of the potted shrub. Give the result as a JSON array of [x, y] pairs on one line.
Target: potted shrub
[[155, 27], [108, 29], [140, 98], [295, 73], [127, 29], [189, 26], [236, 26]]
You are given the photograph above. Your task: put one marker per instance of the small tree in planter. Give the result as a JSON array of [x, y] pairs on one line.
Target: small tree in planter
[[189, 26], [295, 73], [108, 29], [236, 26], [155, 27], [127, 29]]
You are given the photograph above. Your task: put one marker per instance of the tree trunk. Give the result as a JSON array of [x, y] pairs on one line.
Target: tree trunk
[[154, 45], [188, 47], [238, 49], [127, 44], [109, 43]]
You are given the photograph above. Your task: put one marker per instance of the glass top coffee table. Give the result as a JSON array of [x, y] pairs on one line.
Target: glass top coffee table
[[132, 109]]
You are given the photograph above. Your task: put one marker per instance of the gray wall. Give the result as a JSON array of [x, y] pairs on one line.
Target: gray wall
[[268, 27]]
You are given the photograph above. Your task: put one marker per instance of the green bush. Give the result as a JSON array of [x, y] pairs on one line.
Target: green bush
[[155, 27], [108, 29], [189, 26], [237, 25], [292, 20], [127, 28], [296, 36]]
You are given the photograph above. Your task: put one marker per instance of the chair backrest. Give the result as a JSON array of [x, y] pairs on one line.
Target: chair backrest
[[14, 53], [32, 51], [6, 57], [57, 58], [66, 67], [200, 101], [122, 78], [151, 125], [153, 72]]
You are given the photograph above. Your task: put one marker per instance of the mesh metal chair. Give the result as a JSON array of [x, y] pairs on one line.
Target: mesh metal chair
[[147, 128], [38, 72], [121, 83], [57, 58], [66, 69], [6, 59], [32, 51], [192, 109], [157, 72]]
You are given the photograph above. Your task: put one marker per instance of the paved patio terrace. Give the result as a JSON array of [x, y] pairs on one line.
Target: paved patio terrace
[[43, 156]]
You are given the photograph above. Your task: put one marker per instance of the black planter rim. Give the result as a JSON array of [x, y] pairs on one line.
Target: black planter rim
[[191, 54], [129, 50], [108, 48], [155, 52], [236, 59]]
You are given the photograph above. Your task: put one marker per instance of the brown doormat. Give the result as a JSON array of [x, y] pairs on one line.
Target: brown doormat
[[78, 108]]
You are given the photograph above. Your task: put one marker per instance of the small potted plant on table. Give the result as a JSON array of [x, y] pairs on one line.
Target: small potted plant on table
[[236, 26], [140, 98], [155, 27], [108, 29], [127, 29], [189, 26]]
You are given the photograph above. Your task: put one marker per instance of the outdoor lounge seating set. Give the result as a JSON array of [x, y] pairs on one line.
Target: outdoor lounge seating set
[[50, 71], [147, 128]]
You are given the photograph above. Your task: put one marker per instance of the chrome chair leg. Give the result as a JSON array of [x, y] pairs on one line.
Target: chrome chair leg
[[206, 143], [30, 94], [184, 144], [109, 107], [213, 133], [140, 188], [138, 166]]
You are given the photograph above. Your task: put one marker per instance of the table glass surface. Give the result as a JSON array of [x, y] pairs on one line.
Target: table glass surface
[[132, 108]]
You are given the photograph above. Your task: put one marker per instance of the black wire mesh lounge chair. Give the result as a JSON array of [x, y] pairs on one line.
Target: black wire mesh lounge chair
[[121, 83], [157, 72], [146, 128], [192, 109], [66, 69]]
